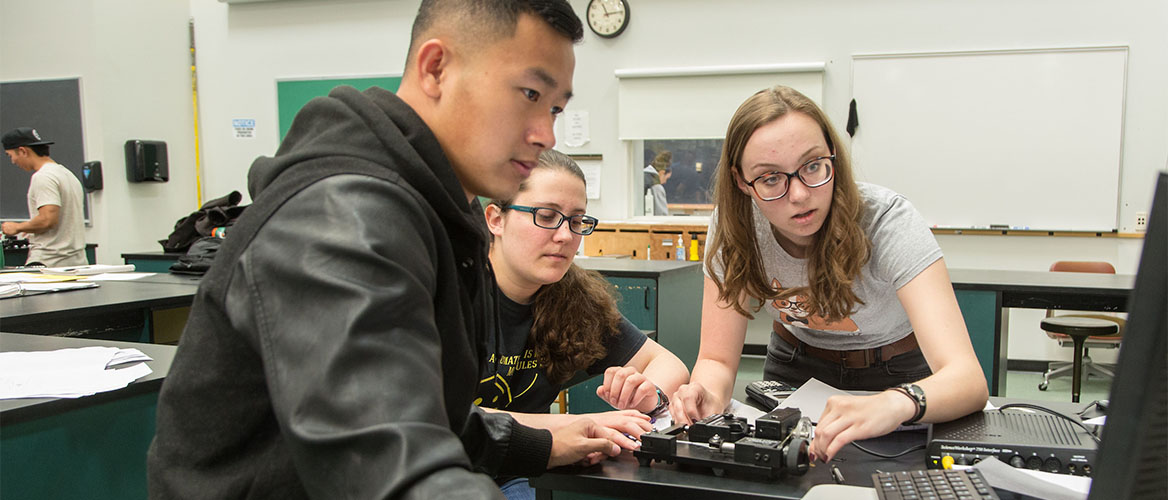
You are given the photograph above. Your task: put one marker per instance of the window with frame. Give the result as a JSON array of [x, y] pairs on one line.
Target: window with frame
[[689, 188], [685, 111]]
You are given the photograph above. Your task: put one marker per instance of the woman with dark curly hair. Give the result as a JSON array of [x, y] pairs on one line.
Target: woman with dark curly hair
[[556, 319]]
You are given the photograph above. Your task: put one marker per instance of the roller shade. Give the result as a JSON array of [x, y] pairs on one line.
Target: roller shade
[[697, 103]]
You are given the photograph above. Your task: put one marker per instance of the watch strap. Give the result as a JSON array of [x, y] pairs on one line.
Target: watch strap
[[917, 395], [662, 404]]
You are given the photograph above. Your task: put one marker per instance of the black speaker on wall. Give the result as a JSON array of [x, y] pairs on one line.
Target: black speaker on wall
[[146, 161], [91, 176]]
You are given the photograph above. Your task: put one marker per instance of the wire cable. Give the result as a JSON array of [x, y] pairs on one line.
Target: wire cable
[[882, 455], [1093, 404], [1052, 412]]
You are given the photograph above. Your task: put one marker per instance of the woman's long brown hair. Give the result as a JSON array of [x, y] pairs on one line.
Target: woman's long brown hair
[[840, 249], [575, 315]]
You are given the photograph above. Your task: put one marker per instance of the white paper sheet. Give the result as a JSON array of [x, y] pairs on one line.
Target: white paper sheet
[[89, 270], [810, 398], [117, 276], [69, 373], [1048, 485]]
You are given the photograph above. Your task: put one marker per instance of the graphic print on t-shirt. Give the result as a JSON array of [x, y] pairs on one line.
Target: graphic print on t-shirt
[[518, 376], [791, 312]]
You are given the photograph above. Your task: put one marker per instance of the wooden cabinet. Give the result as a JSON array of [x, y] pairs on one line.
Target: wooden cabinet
[[634, 239]]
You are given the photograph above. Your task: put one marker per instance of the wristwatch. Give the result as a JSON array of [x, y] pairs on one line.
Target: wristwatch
[[662, 404], [915, 393]]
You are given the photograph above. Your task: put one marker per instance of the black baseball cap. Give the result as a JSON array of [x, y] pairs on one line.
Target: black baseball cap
[[23, 136]]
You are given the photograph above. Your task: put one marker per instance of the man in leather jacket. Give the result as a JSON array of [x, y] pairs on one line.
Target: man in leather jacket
[[332, 350]]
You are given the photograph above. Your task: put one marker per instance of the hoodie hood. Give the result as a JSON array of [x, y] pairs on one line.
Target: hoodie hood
[[376, 126]]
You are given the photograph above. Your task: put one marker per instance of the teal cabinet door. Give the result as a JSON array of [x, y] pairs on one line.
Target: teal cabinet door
[[96, 452], [980, 310], [637, 300]]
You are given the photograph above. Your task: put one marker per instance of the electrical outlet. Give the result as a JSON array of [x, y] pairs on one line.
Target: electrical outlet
[[1141, 222]]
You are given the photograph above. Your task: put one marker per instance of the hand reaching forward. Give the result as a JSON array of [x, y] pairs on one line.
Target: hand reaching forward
[[852, 418], [693, 402], [626, 388], [583, 441], [626, 423]]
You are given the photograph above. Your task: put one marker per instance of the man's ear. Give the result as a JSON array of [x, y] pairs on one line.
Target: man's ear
[[494, 216], [432, 63]]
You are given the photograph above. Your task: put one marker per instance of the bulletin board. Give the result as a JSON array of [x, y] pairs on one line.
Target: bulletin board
[[293, 93], [53, 108], [1028, 139]]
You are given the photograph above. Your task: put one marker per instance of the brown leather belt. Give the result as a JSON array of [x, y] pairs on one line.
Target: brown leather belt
[[858, 358]]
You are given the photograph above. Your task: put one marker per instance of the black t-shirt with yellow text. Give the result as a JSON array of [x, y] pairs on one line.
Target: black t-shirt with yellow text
[[512, 379]]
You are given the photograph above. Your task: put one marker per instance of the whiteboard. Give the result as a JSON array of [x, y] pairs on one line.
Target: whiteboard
[[1021, 138]]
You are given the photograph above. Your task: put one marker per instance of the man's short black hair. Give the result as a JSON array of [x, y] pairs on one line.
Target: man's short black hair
[[40, 150], [498, 17]]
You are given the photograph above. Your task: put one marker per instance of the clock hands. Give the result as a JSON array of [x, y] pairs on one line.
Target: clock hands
[[618, 9]]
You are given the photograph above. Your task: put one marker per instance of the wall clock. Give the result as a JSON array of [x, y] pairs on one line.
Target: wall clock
[[608, 18]]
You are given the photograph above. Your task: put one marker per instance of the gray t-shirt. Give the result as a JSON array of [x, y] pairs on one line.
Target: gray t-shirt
[[63, 245], [902, 247]]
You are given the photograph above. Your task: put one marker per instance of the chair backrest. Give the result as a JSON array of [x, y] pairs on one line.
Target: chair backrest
[[1080, 266]]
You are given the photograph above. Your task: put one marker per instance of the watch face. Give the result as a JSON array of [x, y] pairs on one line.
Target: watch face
[[608, 18]]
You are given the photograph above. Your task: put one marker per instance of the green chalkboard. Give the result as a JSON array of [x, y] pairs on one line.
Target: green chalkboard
[[291, 95], [53, 107]]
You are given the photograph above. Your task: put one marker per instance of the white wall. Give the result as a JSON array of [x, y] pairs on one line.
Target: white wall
[[132, 60], [244, 48]]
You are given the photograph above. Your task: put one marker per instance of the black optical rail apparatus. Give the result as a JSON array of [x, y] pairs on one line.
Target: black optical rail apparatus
[[774, 446], [1022, 439]]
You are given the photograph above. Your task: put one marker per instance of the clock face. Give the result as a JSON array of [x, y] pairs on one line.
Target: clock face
[[608, 18]]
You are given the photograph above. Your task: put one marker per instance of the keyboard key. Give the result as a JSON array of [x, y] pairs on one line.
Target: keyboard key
[[932, 484]]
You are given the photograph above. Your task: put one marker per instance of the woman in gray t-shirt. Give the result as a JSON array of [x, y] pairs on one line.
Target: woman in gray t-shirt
[[854, 280]]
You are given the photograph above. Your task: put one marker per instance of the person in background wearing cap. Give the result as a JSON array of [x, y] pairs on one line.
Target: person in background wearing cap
[[56, 231]]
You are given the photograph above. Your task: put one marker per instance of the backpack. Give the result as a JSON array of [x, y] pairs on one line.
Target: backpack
[[219, 212], [199, 257]]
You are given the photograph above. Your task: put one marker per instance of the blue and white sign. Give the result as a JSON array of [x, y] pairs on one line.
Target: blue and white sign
[[244, 128]]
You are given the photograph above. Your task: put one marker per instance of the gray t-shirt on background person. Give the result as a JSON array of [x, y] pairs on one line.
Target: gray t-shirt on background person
[[902, 247], [63, 245]]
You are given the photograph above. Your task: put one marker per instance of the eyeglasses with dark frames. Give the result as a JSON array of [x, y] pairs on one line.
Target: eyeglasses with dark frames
[[550, 218], [774, 185]]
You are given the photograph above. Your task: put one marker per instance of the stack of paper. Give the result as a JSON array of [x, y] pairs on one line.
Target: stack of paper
[[69, 373], [30, 277], [88, 270], [22, 284]]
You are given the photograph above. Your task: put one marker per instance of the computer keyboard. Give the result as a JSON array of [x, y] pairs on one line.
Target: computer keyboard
[[932, 484]]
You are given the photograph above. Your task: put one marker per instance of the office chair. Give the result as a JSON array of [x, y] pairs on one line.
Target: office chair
[[1081, 331]]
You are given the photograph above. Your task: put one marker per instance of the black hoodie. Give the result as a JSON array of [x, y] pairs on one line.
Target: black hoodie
[[332, 350]]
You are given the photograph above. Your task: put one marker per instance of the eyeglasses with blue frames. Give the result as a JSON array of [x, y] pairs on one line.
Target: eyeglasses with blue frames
[[550, 218], [774, 185]]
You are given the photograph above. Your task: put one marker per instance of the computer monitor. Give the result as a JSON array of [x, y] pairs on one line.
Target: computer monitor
[[1133, 456]]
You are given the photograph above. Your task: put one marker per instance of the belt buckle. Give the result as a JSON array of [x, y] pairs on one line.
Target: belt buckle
[[849, 359]]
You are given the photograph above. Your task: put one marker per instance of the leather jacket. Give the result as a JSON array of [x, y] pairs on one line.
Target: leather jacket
[[332, 350]]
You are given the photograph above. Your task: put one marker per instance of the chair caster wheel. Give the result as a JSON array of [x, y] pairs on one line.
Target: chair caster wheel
[[1043, 385]]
